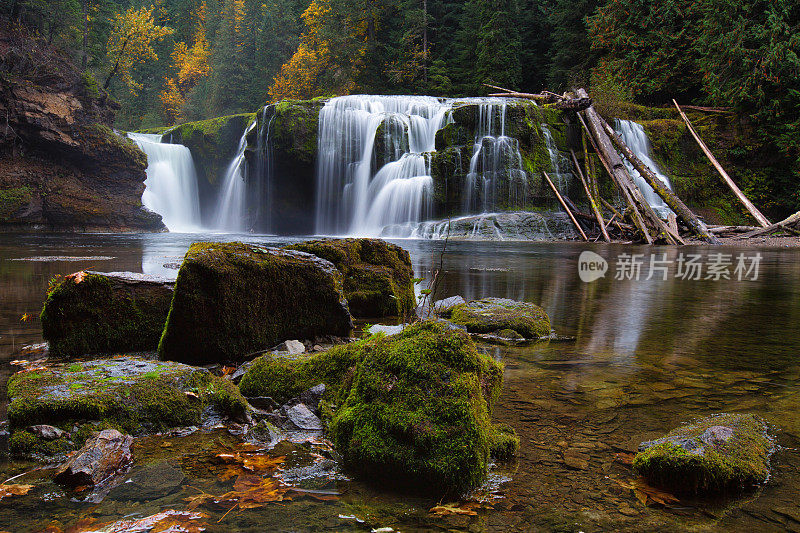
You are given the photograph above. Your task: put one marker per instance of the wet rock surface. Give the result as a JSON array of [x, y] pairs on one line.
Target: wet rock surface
[[149, 483], [502, 316], [234, 299], [139, 395], [377, 274], [98, 312], [718, 453], [101, 457]]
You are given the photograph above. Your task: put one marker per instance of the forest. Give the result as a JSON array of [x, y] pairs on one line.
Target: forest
[[175, 61]]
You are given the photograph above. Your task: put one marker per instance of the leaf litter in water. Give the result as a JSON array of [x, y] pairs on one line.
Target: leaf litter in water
[[465, 508], [169, 521], [647, 494], [7, 490]]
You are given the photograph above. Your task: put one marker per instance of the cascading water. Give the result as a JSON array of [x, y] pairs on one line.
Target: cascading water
[[171, 184], [495, 161], [261, 176], [634, 136], [359, 193], [232, 204], [561, 165]]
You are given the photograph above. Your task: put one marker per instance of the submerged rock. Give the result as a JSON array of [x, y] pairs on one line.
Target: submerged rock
[[720, 453], [102, 457], [136, 395], [500, 315], [302, 417], [377, 274], [233, 299], [445, 307], [98, 312], [149, 483]]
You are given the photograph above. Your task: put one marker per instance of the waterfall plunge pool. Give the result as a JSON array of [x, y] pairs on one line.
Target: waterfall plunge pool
[[648, 356]]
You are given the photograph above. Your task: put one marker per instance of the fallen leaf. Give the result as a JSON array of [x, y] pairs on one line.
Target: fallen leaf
[[647, 494], [26, 318], [454, 508], [169, 521], [624, 458], [77, 277], [228, 370], [14, 490]]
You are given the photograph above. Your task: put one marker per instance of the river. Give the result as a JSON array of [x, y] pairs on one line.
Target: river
[[645, 356]]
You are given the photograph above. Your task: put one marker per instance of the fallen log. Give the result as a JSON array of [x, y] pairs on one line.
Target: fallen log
[[622, 178], [592, 201], [670, 198], [564, 205], [782, 225], [760, 218]]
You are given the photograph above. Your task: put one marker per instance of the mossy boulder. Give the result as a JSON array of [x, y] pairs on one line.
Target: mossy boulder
[[721, 453], [411, 410], [492, 315], [233, 299], [283, 377], [377, 274], [134, 395], [96, 312], [417, 414]]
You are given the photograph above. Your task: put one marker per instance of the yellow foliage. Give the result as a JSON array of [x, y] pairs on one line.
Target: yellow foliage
[[192, 65], [130, 43], [172, 101]]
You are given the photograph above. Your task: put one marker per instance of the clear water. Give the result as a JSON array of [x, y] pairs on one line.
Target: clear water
[[647, 356]]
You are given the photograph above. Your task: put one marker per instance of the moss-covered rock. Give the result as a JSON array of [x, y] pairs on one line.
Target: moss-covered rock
[[96, 312], [723, 452], [233, 299], [417, 414], [377, 274], [130, 394], [411, 410], [283, 377], [496, 314]]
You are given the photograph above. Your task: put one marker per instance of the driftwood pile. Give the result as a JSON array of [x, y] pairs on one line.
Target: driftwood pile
[[635, 220]]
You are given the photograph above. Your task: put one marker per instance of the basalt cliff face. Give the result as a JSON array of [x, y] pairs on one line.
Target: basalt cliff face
[[62, 167]]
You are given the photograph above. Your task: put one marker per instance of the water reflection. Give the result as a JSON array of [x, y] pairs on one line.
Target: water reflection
[[648, 355]]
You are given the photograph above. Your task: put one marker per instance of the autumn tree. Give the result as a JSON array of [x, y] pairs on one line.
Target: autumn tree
[[131, 44], [191, 65]]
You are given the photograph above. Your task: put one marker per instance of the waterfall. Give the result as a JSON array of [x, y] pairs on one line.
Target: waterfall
[[561, 174], [263, 171], [495, 161], [232, 204], [635, 138], [359, 192], [171, 184]]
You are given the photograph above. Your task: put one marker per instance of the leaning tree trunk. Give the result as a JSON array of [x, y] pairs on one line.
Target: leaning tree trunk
[[623, 179], [670, 198]]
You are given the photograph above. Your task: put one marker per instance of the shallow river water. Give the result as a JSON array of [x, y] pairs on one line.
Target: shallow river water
[[646, 356]]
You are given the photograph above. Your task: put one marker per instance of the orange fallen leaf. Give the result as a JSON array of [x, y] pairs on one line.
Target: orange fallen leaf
[[26, 318], [77, 277], [14, 490], [624, 458], [169, 521], [454, 508], [647, 494]]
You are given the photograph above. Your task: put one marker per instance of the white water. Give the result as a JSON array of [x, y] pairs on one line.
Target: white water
[[171, 184], [495, 161], [357, 194], [634, 136], [232, 204], [561, 174]]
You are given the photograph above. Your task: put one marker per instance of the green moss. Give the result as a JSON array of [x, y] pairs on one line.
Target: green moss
[[12, 200], [90, 86], [417, 413], [233, 299], [494, 314], [737, 463], [25, 443], [98, 139], [377, 274], [503, 442], [212, 142], [285, 377], [294, 128], [101, 314], [133, 395]]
